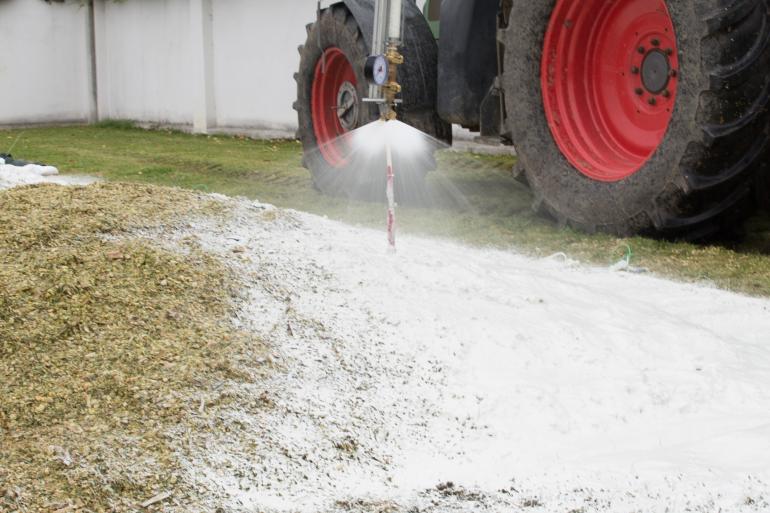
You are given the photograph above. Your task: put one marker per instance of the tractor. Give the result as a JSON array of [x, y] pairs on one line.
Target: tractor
[[627, 116]]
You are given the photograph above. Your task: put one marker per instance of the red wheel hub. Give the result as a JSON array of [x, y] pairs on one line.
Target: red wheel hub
[[609, 76], [334, 105]]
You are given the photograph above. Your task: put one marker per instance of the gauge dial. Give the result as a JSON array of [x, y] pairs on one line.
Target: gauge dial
[[377, 69]]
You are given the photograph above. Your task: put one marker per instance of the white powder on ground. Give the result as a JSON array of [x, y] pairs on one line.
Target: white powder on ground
[[534, 384], [14, 176]]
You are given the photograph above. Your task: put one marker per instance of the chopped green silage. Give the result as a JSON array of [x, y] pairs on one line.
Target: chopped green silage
[[106, 339]]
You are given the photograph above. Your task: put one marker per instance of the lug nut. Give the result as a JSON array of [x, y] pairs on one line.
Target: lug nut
[[635, 70], [655, 42], [652, 100], [639, 91], [669, 52], [641, 50], [666, 94], [673, 73]]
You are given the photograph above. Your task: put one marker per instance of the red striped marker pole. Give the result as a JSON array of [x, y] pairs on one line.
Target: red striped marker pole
[[391, 198]]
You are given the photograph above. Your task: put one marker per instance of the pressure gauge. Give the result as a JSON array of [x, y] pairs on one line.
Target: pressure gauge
[[376, 69]]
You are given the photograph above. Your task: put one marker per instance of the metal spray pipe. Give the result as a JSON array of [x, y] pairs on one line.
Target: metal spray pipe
[[394, 20], [395, 59]]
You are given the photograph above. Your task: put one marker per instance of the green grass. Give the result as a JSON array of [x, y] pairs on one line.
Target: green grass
[[475, 199]]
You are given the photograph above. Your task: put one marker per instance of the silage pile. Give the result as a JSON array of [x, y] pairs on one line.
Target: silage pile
[[107, 340], [437, 379]]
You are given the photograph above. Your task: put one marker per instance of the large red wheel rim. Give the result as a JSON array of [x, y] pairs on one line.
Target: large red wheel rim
[[609, 76], [334, 105]]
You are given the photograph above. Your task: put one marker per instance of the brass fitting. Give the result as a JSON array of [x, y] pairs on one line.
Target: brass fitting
[[392, 88]]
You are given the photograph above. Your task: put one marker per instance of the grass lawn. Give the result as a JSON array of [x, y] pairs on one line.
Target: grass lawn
[[476, 200]]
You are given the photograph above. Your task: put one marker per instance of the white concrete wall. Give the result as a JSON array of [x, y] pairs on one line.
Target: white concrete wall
[[144, 60], [148, 60], [44, 62], [255, 57], [215, 63]]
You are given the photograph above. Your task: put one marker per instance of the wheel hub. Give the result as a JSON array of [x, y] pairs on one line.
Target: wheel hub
[[347, 106], [609, 76], [655, 72]]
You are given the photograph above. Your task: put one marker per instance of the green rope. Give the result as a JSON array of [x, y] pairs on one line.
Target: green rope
[[629, 254], [625, 262]]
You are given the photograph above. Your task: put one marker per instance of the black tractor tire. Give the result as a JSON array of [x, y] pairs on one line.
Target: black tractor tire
[[337, 27], [700, 181]]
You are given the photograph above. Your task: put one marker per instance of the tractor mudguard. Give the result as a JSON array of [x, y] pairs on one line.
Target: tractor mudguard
[[363, 12], [467, 59]]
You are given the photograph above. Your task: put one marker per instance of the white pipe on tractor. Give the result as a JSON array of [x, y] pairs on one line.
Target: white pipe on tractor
[[384, 88], [394, 20], [378, 41]]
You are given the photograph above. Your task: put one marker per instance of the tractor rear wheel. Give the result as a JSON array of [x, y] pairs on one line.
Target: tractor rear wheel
[[331, 88], [639, 116]]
